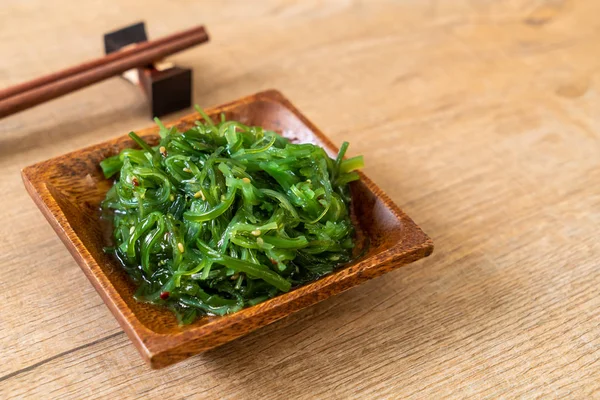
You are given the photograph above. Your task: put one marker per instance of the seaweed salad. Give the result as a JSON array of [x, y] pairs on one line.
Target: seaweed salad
[[225, 215]]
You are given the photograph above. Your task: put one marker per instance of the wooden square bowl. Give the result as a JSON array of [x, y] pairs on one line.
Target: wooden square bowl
[[68, 189]]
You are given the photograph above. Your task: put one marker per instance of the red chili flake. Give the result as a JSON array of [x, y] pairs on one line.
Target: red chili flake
[[273, 261], [135, 182], [164, 295]]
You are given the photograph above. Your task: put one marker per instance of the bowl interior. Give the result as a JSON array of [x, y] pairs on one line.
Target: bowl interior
[[77, 185]]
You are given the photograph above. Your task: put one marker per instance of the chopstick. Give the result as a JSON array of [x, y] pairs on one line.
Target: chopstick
[[20, 97]]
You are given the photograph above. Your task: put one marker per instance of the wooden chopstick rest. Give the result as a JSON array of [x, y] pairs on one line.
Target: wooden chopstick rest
[[167, 87]]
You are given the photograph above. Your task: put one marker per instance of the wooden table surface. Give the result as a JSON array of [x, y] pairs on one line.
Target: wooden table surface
[[479, 118]]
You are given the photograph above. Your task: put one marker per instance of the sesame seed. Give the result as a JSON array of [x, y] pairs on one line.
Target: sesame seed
[[199, 194], [234, 276], [186, 169], [180, 247], [260, 241], [245, 180], [256, 232], [163, 151]]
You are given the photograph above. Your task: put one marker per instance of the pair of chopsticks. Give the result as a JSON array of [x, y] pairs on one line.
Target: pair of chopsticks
[[20, 97]]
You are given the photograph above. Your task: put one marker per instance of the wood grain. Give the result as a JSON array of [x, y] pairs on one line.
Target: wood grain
[[478, 118]]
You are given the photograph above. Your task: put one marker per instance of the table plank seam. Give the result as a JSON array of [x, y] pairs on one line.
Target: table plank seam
[[59, 355]]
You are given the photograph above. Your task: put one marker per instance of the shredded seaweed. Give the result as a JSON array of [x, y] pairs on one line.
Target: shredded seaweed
[[225, 215]]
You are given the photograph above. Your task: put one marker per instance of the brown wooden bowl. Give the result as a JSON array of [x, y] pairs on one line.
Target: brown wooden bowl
[[68, 189]]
